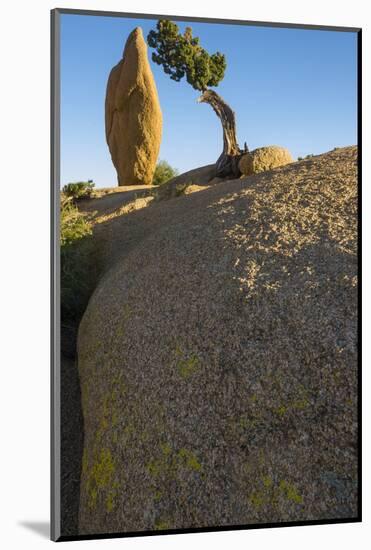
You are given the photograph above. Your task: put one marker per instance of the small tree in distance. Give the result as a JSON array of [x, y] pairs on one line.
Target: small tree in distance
[[163, 173], [79, 189], [182, 56]]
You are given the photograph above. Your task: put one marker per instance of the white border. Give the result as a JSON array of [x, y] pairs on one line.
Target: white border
[[24, 220]]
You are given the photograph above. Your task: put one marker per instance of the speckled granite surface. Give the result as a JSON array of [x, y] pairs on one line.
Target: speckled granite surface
[[218, 360]]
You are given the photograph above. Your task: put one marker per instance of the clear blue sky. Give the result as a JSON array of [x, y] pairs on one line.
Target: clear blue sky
[[289, 87]]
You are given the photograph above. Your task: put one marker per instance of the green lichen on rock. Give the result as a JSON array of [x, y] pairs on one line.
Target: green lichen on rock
[[299, 402], [166, 449], [168, 469], [281, 410], [267, 481], [157, 467], [270, 492], [186, 364], [99, 468], [249, 348], [189, 460], [103, 469], [290, 492], [99, 475], [157, 495], [110, 501], [162, 525], [257, 498], [170, 462]]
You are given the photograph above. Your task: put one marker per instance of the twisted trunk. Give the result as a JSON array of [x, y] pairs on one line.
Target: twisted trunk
[[227, 163]]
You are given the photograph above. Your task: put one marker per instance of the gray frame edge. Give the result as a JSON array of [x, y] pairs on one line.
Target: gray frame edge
[[70, 11], [55, 428]]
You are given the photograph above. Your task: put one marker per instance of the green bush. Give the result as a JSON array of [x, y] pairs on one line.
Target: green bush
[[163, 173], [74, 225], [79, 271], [79, 189]]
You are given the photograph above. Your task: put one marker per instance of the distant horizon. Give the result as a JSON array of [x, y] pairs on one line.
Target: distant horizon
[[296, 88]]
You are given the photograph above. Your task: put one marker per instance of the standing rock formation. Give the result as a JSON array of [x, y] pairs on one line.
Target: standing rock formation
[[218, 357], [133, 114]]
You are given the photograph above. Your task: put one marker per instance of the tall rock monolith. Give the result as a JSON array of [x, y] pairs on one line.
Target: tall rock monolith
[[133, 114]]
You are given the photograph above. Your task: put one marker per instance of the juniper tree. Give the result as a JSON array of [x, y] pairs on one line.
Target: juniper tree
[[182, 56]]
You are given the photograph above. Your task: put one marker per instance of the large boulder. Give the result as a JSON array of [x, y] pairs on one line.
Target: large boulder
[[218, 360], [133, 114], [264, 158], [197, 176]]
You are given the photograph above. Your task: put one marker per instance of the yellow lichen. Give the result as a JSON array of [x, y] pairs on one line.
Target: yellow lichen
[[271, 492], [110, 500], [155, 467], [267, 481], [93, 493], [190, 459], [281, 411], [99, 467], [162, 525], [290, 492], [168, 466], [102, 470], [166, 449], [257, 499], [188, 366], [185, 364]]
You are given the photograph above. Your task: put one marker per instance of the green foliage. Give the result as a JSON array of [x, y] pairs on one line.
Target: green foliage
[[79, 189], [163, 173], [74, 225], [182, 56], [79, 271], [180, 189]]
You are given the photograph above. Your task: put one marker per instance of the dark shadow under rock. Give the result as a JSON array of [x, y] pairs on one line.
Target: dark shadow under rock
[[72, 438]]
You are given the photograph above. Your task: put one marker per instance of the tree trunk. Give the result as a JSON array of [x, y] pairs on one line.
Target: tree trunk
[[227, 163]]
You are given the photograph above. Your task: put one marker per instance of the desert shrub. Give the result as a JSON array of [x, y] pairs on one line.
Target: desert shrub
[[74, 225], [300, 158], [180, 189], [79, 189], [163, 173], [79, 271]]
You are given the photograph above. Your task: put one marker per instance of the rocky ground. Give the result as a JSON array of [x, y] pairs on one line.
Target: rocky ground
[[225, 383]]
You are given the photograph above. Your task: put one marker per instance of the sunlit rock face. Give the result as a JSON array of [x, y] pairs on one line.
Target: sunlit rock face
[[264, 158], [217, 358], [133, 115]]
